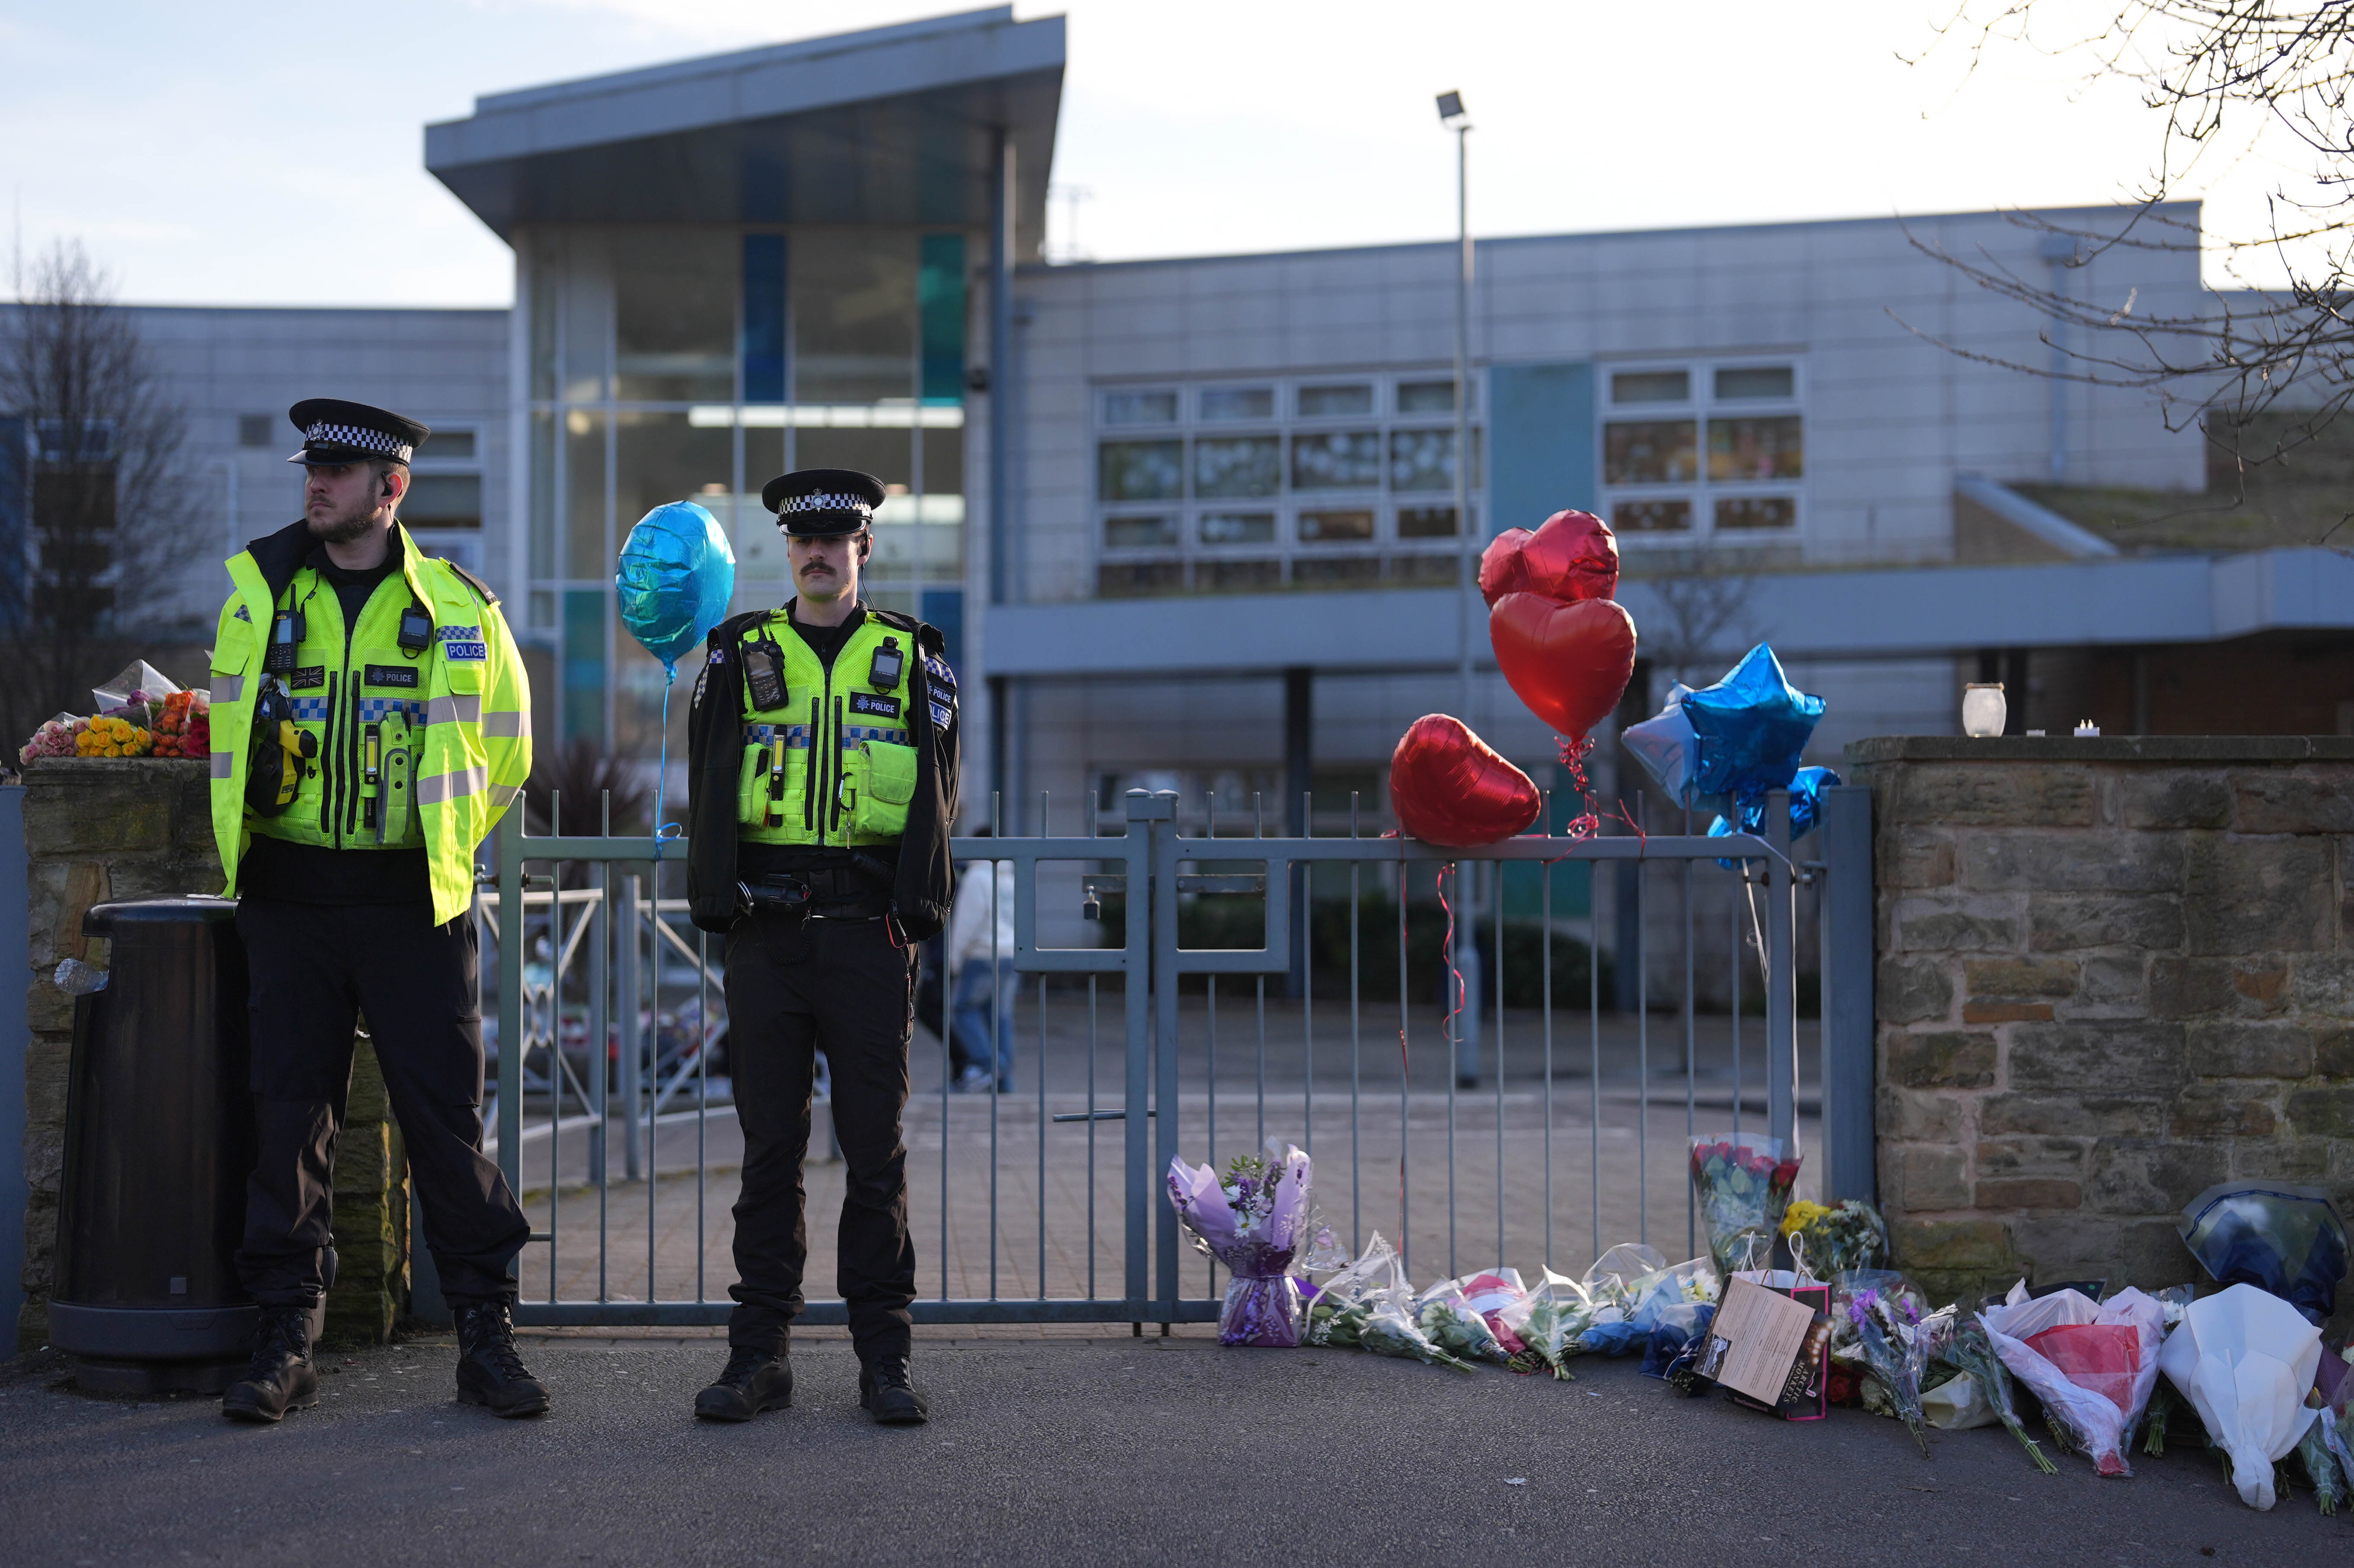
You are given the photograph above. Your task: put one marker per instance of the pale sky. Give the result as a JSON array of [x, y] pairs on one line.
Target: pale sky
[[239, 153]]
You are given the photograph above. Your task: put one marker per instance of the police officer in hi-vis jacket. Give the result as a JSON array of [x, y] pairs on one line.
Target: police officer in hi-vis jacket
[[823, 740], [373, 721]]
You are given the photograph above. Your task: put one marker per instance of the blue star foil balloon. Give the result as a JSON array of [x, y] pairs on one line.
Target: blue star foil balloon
[[1750, 726], [675, 580], [1805, 810], [1668, 748]]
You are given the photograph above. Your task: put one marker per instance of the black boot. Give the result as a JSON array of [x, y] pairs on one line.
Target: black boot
[[753, 1381], [884, 1393], [490, 1372], [282, 1377]]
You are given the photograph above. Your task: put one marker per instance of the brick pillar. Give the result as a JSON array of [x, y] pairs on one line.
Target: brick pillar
[[2112, 973]]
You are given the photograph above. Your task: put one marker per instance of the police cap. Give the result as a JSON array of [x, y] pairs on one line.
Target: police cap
[[816, 501], [334, 431]]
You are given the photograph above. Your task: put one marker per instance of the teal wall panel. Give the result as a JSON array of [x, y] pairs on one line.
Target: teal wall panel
[[1540, 446]]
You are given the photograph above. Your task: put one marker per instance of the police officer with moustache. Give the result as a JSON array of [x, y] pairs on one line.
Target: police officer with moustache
[[374, 720], [823, 739]]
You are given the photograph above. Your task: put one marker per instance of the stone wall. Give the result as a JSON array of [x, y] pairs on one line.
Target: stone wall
[[2112, 973], [99, 829]]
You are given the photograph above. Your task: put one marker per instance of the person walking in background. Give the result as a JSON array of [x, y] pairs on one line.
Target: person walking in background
[[980, 955]]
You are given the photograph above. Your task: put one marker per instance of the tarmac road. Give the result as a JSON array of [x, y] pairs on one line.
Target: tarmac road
[[1070, 1451]]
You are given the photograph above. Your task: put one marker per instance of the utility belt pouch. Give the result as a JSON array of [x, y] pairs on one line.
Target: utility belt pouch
[[281, 755], [395, 777], [774, 899]]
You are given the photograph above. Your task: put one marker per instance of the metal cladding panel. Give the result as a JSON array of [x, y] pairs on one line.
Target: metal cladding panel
[[1541, 443], [890, 127], [1898, 613]]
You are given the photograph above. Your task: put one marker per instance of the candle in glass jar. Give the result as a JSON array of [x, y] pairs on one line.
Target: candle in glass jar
[[1983, 709]]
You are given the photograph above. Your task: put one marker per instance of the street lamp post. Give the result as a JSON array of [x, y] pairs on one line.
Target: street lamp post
[[1452, 114], [1466, 581]]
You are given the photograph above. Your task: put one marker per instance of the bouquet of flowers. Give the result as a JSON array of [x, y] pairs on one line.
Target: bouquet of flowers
[[1255, 1221], [1896, 1349], [54, 739], [1450, 1321], [1850, 1236], [1497, 1294], [184, 728], [1368, 1305], [110, 737], [1547, 1321], [2090, 1363], [1743, 1185], [1971, 1351], [135, 693]]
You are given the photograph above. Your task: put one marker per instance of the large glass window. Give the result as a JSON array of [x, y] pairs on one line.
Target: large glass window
[[1700, 449], [662, 458], [674, 314], [1186, 502], [1650, 451], [764, 318], [1329, 402], [1766, 447], [1139, 409], [696, 363], [1140, 471], [1225, 403], [1342, 459], [586, 552], [1237, 466], [854, 315]]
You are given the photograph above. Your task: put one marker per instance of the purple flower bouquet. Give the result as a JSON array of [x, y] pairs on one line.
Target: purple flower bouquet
[[1257, 1221]]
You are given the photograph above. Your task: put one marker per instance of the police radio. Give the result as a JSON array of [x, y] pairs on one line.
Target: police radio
[[883, 673], [285, 642], [764, 674]]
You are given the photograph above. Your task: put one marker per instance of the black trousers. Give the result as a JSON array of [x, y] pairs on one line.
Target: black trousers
[[793, 990], [315, 968]]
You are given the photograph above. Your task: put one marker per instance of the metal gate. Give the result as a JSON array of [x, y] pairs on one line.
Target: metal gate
[[1045, 1202]]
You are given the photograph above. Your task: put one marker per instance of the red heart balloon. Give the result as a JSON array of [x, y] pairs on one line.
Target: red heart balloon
[[1570, 663], [1449, 787], [1572, 556]]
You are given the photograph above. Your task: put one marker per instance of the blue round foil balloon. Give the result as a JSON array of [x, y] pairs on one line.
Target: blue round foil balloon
[[1750, 726], [676, 578]]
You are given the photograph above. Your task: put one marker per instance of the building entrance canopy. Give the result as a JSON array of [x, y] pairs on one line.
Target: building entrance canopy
[[894, 125]]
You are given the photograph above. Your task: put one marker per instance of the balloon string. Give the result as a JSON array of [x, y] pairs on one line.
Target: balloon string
[[1455, 996], [661, 777]]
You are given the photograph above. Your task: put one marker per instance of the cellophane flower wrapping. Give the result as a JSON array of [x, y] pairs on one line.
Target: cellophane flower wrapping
[[1894, 1341], [1971, 1350], [2246, 1359], [1850, 1236], [2097, 1414], [1496, 1294], [1741, 1184], [1548, 1320], [1257, 1221], [1450, 1321], [1369, 1306]]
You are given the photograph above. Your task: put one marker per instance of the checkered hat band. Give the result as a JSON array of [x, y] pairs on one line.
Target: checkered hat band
[[382, 443], [792, 504]]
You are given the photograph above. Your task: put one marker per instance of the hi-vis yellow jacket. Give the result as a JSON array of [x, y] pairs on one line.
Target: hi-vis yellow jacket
[[470, 710]]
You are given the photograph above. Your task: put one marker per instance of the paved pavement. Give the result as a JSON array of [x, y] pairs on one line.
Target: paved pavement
[[1070, 1450]]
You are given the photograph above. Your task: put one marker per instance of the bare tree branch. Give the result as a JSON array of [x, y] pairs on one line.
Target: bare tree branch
[[2210, 67], [106, 532]]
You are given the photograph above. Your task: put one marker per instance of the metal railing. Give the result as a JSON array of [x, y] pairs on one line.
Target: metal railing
[[611, 1028]]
